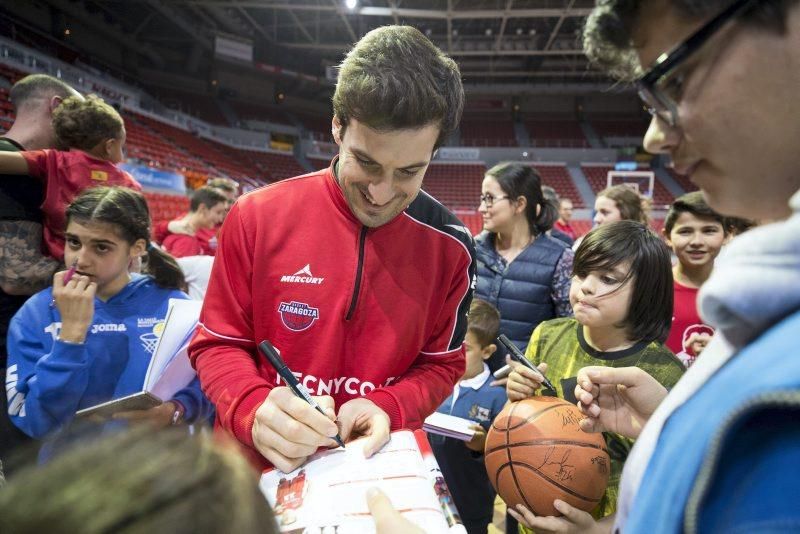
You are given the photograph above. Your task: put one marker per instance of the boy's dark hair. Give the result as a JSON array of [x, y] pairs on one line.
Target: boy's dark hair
[[139, 481], [206, 196], [83, 124], [520, 180], [395, 78], [650, 313], [483, 321], [35, 86], [608, 32], [628, 202], [695, 204], [126, 210], [225, 184]]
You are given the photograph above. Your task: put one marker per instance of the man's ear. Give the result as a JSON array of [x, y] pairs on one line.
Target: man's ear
[[488, 350], [336, 130], [55, 101]]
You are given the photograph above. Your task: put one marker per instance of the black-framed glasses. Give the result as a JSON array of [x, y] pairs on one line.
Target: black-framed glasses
[[490, 199], [658, 88]]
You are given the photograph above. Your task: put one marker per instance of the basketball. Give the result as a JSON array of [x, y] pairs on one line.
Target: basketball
[[536, 452]]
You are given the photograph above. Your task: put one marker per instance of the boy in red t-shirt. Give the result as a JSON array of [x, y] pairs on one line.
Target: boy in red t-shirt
[[696, 234], [95, 134], [206, 210]]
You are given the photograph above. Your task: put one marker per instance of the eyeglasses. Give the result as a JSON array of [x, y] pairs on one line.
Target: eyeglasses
[[658, 88], [489, 199]]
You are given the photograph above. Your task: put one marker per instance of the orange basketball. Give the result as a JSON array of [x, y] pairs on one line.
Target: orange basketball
[[536, 452]]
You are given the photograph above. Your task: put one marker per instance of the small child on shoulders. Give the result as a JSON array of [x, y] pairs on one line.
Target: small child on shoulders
[[93, 134], [474, 398]]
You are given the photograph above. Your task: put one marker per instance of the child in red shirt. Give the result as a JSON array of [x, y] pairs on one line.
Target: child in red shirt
[[95, 134], [696, 234]]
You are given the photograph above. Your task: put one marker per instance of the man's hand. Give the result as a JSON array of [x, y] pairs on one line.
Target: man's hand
[[572, 520], [158, 417], [617, 400], [387, 519], [287, 430], [478, 441], [523, 382], [75, 303], [361, 417]]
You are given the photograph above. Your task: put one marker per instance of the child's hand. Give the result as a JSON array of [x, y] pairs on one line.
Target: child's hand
[[478, 440], [523, 382], [573, 520], [697, 342], [75, 303]]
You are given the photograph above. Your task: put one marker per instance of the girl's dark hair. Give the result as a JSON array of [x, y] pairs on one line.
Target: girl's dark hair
[[650, 313], [82, 124], [127, 210], [520, 180], [630, 204]]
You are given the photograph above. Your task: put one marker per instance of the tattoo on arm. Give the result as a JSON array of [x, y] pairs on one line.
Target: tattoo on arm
[[24, 270]]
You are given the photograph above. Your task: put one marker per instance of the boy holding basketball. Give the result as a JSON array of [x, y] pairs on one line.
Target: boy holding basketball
[[622, 298], [476, 399]]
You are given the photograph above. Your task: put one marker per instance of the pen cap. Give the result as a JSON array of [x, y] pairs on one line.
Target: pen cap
[[271, 353]]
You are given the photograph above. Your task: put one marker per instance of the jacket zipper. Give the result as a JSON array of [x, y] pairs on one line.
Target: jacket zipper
[[787, 399], [362, 238]]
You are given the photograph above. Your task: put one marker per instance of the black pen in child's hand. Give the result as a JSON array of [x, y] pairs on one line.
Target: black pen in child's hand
[[285, 373], [517, 355]]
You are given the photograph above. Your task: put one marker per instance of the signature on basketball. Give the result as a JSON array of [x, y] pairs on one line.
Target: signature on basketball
[[568, 417], [565, 471], [601, 464]]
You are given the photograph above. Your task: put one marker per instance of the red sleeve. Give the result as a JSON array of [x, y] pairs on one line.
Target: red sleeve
[[223, 350], [131, 182], [160, 231], [181, 246], [430, 379], [38, 162]]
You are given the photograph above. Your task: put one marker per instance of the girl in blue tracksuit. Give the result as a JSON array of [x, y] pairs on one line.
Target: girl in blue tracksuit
[[89, 339]]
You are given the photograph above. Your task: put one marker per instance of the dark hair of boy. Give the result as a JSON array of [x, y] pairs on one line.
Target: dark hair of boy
[[139, 481], [608, 40], [650, 313], [695, 204], [225, 184], [206, 196], [395, 78], [520, 180], [126, 211], [37, 86], [483, 321], [83, 124], [737, 225], [629, 203]]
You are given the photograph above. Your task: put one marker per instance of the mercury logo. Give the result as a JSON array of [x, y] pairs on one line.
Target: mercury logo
[[303, 276]]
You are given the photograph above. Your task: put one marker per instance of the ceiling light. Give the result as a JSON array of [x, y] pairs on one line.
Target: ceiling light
[[350, 4], [488, 32]]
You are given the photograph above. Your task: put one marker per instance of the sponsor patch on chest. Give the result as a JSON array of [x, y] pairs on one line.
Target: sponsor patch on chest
[[297, 316]]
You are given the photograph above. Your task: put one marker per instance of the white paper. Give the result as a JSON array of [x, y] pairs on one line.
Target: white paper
[[328, 493], [170, 370], [449, 425]]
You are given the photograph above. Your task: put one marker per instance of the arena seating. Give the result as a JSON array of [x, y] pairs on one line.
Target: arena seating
[[492, 130], [269, 167], [201, 106], [247, 111], [682, 180], [164, 207], [615, 126], [456, 185], [558, 177], [555, 132], [598, 179]]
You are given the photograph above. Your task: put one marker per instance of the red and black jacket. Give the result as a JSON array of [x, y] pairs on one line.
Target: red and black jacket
[[379, 312]]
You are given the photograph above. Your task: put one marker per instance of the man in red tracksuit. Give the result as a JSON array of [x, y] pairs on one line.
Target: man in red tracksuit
[[360, 280]]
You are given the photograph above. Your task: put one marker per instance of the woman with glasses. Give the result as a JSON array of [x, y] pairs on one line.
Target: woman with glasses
[[522, 271]]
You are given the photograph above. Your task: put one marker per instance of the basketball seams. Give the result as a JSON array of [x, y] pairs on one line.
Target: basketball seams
[[544, 476], [548, 442], [511, 464], [530, 418]]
